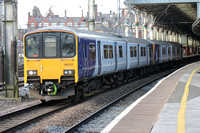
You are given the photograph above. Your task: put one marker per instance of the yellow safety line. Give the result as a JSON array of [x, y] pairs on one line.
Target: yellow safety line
[[181, 113]]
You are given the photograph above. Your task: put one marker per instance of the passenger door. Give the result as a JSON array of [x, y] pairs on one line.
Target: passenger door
[[50, 48], [84, 58], [99, 56]]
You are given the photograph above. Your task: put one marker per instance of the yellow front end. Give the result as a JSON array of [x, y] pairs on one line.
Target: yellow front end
[[51, 63], [51, 69]]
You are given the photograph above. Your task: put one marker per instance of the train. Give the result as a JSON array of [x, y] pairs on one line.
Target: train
[[62, 62]]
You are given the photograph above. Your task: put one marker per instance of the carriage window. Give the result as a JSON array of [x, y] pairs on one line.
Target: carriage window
[[169, 51], [50, 46], [68, 45], [135, 52], [173, 51], [32, 45], [120, 52], [163, 51], [105, 51], [92, 51], [131, 51], [150, 52], [143, 51], [111, 51]]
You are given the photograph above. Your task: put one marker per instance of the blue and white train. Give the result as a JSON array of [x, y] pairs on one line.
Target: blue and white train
[[61, 62]]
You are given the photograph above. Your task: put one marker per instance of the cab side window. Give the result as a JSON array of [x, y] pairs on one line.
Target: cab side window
[[32, 47], [68, 45]]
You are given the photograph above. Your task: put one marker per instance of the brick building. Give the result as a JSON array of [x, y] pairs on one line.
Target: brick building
[[37, 20], [103, 22]]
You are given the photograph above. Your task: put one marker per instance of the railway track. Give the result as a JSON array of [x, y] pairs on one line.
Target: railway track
[[13, 121], [16, 120], [79, 127], [76, 127]]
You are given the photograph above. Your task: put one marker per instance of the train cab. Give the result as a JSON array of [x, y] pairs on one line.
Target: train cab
[[50, 61]]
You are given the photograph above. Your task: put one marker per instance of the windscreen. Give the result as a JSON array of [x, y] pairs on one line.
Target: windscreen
[[50, 45]]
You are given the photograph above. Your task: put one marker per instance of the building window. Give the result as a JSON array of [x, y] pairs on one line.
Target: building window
[[46, 24], [92, 51], [105, 51], [69, 24], [120, 52], [32, 24], [53, 24], [131, 51], [75, 24], [40, 25], [62, 24], [81, 24]]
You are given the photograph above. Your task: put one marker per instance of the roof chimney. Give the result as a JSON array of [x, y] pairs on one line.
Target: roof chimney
[[65, 13], [29, 15]]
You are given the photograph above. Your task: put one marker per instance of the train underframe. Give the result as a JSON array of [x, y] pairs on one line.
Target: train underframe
[[52, 90]]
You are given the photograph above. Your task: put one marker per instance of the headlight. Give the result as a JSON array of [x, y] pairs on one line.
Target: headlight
[[32, 72], [68, 72]]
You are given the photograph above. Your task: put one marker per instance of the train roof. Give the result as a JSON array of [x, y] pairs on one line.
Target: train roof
[[80, 33], [137, 40], [158, 42], [92, 34], [100, 36]]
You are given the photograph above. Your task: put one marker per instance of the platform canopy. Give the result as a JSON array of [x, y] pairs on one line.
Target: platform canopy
[[178, 15]]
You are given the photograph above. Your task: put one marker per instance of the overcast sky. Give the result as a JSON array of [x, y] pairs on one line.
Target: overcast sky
[[74, 8]]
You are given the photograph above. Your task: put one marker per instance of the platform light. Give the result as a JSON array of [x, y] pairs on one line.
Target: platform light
[[69, 72], [32, 72]]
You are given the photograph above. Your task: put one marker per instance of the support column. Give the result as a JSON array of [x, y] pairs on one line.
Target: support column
[[152, 32], [91, 4], [166, 35], [170, 36], [162, 34], [136, 24], [173, 36], [198, 9], [157, 33], [151, 28], [145, 26], [180, 39], [10, 36]]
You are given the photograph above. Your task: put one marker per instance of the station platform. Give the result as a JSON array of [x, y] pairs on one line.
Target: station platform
[[173, 105]]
